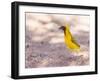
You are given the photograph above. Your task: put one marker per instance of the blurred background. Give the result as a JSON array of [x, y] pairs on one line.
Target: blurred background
[[44, 42]]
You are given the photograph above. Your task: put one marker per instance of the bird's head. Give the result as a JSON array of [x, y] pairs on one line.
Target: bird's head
[[62, 28]]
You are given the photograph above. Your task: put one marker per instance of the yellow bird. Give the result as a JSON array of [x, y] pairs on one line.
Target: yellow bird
[[69, 39]]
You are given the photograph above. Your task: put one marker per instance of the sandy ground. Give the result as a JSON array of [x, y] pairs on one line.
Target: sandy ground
[[44, 42]]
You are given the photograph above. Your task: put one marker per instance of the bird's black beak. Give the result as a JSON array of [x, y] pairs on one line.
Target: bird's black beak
[[62, 28]]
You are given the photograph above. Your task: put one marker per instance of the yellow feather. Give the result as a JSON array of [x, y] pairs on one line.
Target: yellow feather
[[69, 40]]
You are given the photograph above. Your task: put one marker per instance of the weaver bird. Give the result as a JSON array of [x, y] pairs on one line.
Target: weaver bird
[[69, 39]]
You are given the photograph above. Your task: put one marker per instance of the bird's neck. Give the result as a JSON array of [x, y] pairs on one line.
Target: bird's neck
[[66, 30]]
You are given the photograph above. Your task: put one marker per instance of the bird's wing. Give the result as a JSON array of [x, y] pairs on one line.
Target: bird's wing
[[74, 41]]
